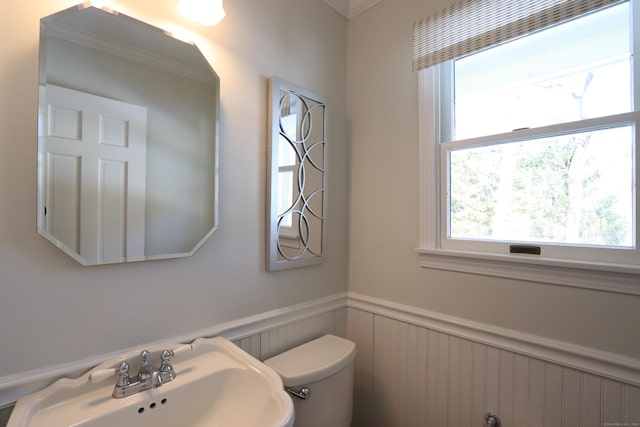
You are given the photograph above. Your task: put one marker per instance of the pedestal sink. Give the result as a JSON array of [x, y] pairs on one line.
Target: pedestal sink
[[216, 384]]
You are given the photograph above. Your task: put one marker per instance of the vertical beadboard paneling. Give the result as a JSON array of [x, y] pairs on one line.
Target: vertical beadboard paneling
[[612, 401], [454, 401], [250, 344], [401, 371], [272, 341], [505, 387], [442, 368], [390, 371], [359, 329], [553, 396], [381, 377], [478, 383], [521, 391], [432, 378], [417, 412], [466, 380], [537, 393], [426, 378], [591, 397], [285, 337], [340, 322], [492, 380], [571, 397], [269, 343], [631, 405]]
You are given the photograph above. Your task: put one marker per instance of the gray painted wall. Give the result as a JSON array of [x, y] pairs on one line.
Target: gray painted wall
[[383, 102], [54, 311]]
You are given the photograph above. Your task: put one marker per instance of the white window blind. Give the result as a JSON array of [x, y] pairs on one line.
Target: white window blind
[[472, 25]]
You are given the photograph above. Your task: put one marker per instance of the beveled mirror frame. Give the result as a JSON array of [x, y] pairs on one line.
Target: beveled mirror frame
[[122, 60], [297, 160]]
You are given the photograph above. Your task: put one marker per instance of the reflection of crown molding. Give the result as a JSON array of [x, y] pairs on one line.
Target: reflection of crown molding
[[351, 8], [122, 50]]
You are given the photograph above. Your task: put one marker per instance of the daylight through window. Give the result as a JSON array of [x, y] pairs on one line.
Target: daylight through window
[[534, 143]]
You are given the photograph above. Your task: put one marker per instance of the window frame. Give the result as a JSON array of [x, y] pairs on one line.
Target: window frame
[[436, 252]]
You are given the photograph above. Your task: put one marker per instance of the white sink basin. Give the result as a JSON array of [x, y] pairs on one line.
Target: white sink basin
[[216, 384]]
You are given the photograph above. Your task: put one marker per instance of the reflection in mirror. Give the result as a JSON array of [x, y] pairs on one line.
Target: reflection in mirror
[[297, 178], [127, 139]]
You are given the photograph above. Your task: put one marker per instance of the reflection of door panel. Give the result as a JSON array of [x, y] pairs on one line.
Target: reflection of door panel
[[95, 172]]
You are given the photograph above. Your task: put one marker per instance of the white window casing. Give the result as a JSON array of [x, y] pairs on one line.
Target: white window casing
[[614, 270]]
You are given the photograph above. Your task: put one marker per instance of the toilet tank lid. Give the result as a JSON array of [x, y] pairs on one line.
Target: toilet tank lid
[[313, 361]]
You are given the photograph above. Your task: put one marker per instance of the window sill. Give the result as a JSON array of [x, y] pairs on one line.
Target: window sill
[[603, 277]]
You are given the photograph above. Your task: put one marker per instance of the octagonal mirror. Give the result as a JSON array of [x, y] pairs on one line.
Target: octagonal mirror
[[127, 139]]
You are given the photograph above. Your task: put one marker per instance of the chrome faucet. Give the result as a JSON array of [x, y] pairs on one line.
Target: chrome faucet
[[148, 376], [166, 370], [148, 373]]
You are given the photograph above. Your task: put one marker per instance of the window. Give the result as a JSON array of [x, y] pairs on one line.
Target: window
[[530, 150], [287, 164]]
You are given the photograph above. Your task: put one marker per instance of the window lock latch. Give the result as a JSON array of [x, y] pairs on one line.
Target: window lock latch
[[525, 249]]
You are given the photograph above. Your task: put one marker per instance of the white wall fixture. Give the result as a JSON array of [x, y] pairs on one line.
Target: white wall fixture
[[420, 368], [296, 196], [208, 382], [206, 12], [263, 335]]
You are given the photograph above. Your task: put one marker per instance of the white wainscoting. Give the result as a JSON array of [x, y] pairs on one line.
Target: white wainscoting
[[418, 368], [262, 336], [276, 340]]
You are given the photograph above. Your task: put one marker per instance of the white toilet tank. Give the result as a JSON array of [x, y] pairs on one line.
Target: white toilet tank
[[325, 367]]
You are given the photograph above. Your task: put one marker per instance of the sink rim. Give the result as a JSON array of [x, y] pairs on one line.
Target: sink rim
[[66, 389]]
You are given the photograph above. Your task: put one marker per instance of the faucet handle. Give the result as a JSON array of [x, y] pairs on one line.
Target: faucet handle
[[144, 354], [182, 349], [123, 375], [146, 369], [165, 367], [103, 374], [167, 355]]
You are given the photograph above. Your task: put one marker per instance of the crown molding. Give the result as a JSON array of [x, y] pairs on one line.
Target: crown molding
[[351, 8], [143, 56]]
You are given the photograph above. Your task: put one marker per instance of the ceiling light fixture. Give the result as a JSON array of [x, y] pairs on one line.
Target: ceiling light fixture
[[206, 12]]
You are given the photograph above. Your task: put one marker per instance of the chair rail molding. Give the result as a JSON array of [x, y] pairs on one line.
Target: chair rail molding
[[609, 365], [12, 387]]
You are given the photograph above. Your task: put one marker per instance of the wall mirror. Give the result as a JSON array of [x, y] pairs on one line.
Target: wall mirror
[[296, 194], [128, 127]]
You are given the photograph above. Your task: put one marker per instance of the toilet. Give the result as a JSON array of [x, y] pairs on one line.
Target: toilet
[[319, 376]]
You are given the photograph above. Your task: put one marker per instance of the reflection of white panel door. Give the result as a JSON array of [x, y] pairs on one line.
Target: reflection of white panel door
[[95, 172]]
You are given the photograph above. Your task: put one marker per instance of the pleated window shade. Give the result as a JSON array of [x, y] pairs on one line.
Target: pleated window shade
[[472, 25]]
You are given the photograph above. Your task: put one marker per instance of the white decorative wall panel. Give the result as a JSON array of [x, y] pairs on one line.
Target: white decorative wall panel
[[262, 336], [288, 336], [276, 340], [408, 373], [416, 376]]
